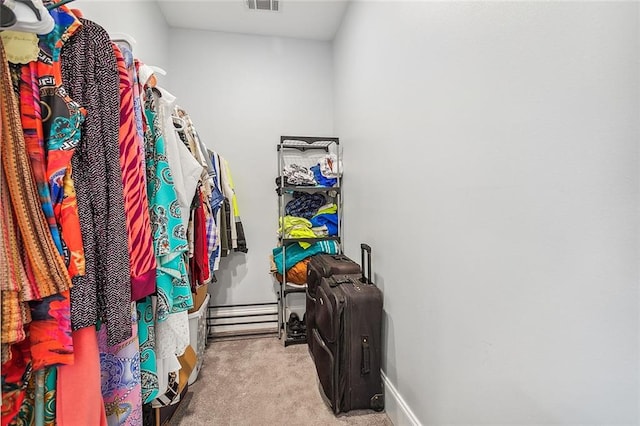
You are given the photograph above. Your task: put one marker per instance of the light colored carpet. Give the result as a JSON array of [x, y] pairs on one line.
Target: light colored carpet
[[260, 382]]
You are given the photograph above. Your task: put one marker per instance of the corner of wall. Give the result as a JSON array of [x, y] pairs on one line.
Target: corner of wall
[[164, 18]]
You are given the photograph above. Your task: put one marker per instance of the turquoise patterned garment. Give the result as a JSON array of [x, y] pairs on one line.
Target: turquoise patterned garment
[[170, 245], [147, 341], [169, 233]]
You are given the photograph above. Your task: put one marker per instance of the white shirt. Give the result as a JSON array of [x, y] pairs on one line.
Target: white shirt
[[186, 170]]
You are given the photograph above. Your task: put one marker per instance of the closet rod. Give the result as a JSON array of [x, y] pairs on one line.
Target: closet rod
[[56, 5]]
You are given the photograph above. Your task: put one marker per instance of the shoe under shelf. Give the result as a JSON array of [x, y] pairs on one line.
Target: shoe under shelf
[[292, 339]]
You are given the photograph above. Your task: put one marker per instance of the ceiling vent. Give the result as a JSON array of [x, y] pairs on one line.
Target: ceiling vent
[[272, 5]]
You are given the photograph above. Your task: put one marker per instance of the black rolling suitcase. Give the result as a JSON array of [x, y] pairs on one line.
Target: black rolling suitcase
[[347, 340], [321, 266]]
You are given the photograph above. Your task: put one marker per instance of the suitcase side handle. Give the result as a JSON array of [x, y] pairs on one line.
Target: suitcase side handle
[[365, 366], [366, 248]]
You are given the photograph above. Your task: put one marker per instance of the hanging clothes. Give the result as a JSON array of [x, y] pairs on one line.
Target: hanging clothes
[[186, 171], [170, 244], [61, 129], [113, 188], [54, 137], [43, 264], [50, 334], [173, 288], [90, 74], [16, 377], [140, 243], [174, 294], [86, 407], [172, 338], [238, 240], [31, 118], [121, 381], [200, 211], [15, 312], [200, 259], [50, 275], [217, 200], [137, 103], [146, 313]]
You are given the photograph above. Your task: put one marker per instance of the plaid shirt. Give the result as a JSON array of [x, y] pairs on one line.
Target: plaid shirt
[[212, 231]]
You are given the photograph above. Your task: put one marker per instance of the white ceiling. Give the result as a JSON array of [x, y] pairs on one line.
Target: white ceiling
[[308, 19]]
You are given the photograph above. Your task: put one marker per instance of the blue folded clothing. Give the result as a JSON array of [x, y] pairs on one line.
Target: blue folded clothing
[[304, 205], [321, 179], [330, 220]]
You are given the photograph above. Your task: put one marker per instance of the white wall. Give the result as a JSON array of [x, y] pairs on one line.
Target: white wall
[[141, 19], [243, 92], [491, 152]]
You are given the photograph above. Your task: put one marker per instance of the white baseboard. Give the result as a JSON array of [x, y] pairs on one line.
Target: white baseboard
[[396, 407], [258, 313]]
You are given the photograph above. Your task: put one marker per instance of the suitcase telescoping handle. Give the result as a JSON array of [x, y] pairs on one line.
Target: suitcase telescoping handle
[[366, 248]]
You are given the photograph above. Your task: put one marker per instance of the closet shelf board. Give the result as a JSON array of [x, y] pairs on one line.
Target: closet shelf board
[[304, 143], [310, 189]]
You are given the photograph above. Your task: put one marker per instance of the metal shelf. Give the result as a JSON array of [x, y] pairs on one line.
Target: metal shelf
[[304, 143], [292, 150], [309, 188], [289, 341], [288, 289], [289, 189]]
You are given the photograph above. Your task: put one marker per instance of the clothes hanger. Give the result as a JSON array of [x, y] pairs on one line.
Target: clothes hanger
[[124, 38], [31, 6], [153, 77], [31, 16], [158, 70], [7, 17], [178, 123]]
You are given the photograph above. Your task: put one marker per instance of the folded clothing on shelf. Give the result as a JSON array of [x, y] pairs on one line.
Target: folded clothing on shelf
[[304, 205], [297, 274], [321, 179], [329, 166], [320, 231], [327, 208], [330, 220], [296, 174], [296, 227], [294, 253]]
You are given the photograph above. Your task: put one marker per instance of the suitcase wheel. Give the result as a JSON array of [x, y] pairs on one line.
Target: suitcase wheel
[[377, 402]]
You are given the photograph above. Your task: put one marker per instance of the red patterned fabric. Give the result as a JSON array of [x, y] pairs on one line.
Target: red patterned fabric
[[141, 256], [200, 260]]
